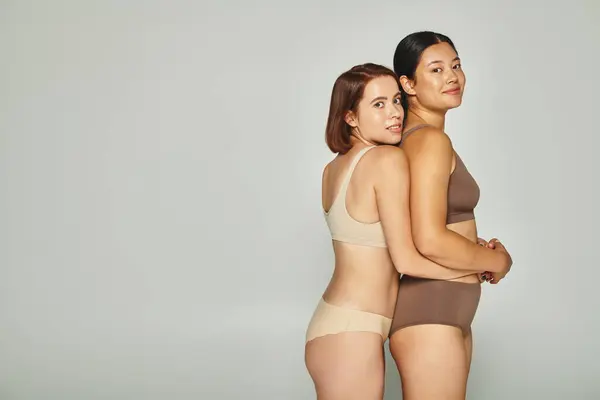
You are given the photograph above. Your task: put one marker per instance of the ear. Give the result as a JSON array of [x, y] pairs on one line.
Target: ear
[[350, 119], [407, 85]]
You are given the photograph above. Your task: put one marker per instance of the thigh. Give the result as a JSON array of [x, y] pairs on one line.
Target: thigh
[[468, 339], [431, 361], [347, 366]]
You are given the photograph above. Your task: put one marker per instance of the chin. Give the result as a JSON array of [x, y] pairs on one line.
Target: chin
[[454, 104], [396, 139], [393, 141]]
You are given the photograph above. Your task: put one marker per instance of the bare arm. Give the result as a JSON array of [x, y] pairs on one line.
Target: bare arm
[[430, 157], [392, 192]]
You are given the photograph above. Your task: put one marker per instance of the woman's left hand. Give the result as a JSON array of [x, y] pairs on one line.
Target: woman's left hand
[[485, 276]]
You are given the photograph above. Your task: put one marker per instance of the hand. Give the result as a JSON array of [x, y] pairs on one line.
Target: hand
[[498, 276], [483, 242], [485, 276]]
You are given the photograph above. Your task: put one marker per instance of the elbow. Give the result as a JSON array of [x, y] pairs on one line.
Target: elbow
[[427, 243], [405, 265], [413, 265], [404, 261]]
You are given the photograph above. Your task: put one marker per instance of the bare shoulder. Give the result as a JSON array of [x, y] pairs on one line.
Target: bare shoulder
[[388, 160], [331, 165], [429, 137], [326, 168], [325, 172], [430, 152]]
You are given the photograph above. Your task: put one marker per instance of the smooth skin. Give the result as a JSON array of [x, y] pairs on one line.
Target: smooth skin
[[434, 360], [351, 365]]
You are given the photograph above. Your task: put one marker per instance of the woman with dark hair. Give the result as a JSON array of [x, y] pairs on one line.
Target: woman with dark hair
[[366, 205], [430, 337]]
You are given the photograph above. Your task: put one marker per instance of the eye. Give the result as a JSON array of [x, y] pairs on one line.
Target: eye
[[379, 104], [436, 70], [398, 100], [457, 66]]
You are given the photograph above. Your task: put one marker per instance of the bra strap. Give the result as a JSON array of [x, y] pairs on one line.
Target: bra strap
[[414, 128], [351, 169]]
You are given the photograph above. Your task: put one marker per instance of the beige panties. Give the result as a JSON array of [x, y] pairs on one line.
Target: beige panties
[[329, 319]]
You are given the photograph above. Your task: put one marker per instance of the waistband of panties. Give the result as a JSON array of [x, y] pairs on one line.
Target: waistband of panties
[[442, 281]]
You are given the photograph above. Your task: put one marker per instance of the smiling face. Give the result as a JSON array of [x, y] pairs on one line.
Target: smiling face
[[439, 80], [379, 115]]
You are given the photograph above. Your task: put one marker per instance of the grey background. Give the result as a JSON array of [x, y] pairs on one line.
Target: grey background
[[161, 235]]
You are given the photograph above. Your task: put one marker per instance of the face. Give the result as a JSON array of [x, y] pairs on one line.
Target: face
[[379, 115], [439, 79]]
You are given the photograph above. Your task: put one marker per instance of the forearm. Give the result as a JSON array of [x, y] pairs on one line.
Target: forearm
[[409, 261], [421, 267], [451, 250]]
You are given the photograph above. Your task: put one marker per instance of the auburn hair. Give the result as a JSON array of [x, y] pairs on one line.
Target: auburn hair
[[347, 92]]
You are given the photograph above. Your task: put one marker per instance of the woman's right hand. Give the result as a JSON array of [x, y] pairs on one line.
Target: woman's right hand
[[505, 260]]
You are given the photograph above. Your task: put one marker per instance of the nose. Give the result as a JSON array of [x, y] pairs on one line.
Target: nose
[[396, 111], [452, 77]]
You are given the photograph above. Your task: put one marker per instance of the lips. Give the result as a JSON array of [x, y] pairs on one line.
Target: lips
[[452, 91], [396, 128]]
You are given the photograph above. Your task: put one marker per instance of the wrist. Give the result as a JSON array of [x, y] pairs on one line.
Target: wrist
[[490, 259]]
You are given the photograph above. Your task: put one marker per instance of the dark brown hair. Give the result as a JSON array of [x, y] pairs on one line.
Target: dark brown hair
[[347, 92], [408, 55]]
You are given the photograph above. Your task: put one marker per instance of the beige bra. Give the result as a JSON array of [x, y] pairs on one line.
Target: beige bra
[[342, 226]]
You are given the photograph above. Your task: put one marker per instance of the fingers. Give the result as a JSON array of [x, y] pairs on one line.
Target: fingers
[[497, 243], [483, 242], [496, 278], [485, 276], [495, 240], [490, 277]]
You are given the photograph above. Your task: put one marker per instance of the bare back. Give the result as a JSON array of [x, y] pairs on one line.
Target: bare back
[[364, 276]]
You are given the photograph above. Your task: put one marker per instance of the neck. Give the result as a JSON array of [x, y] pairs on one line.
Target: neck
[[358, 139], [419, 115]]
